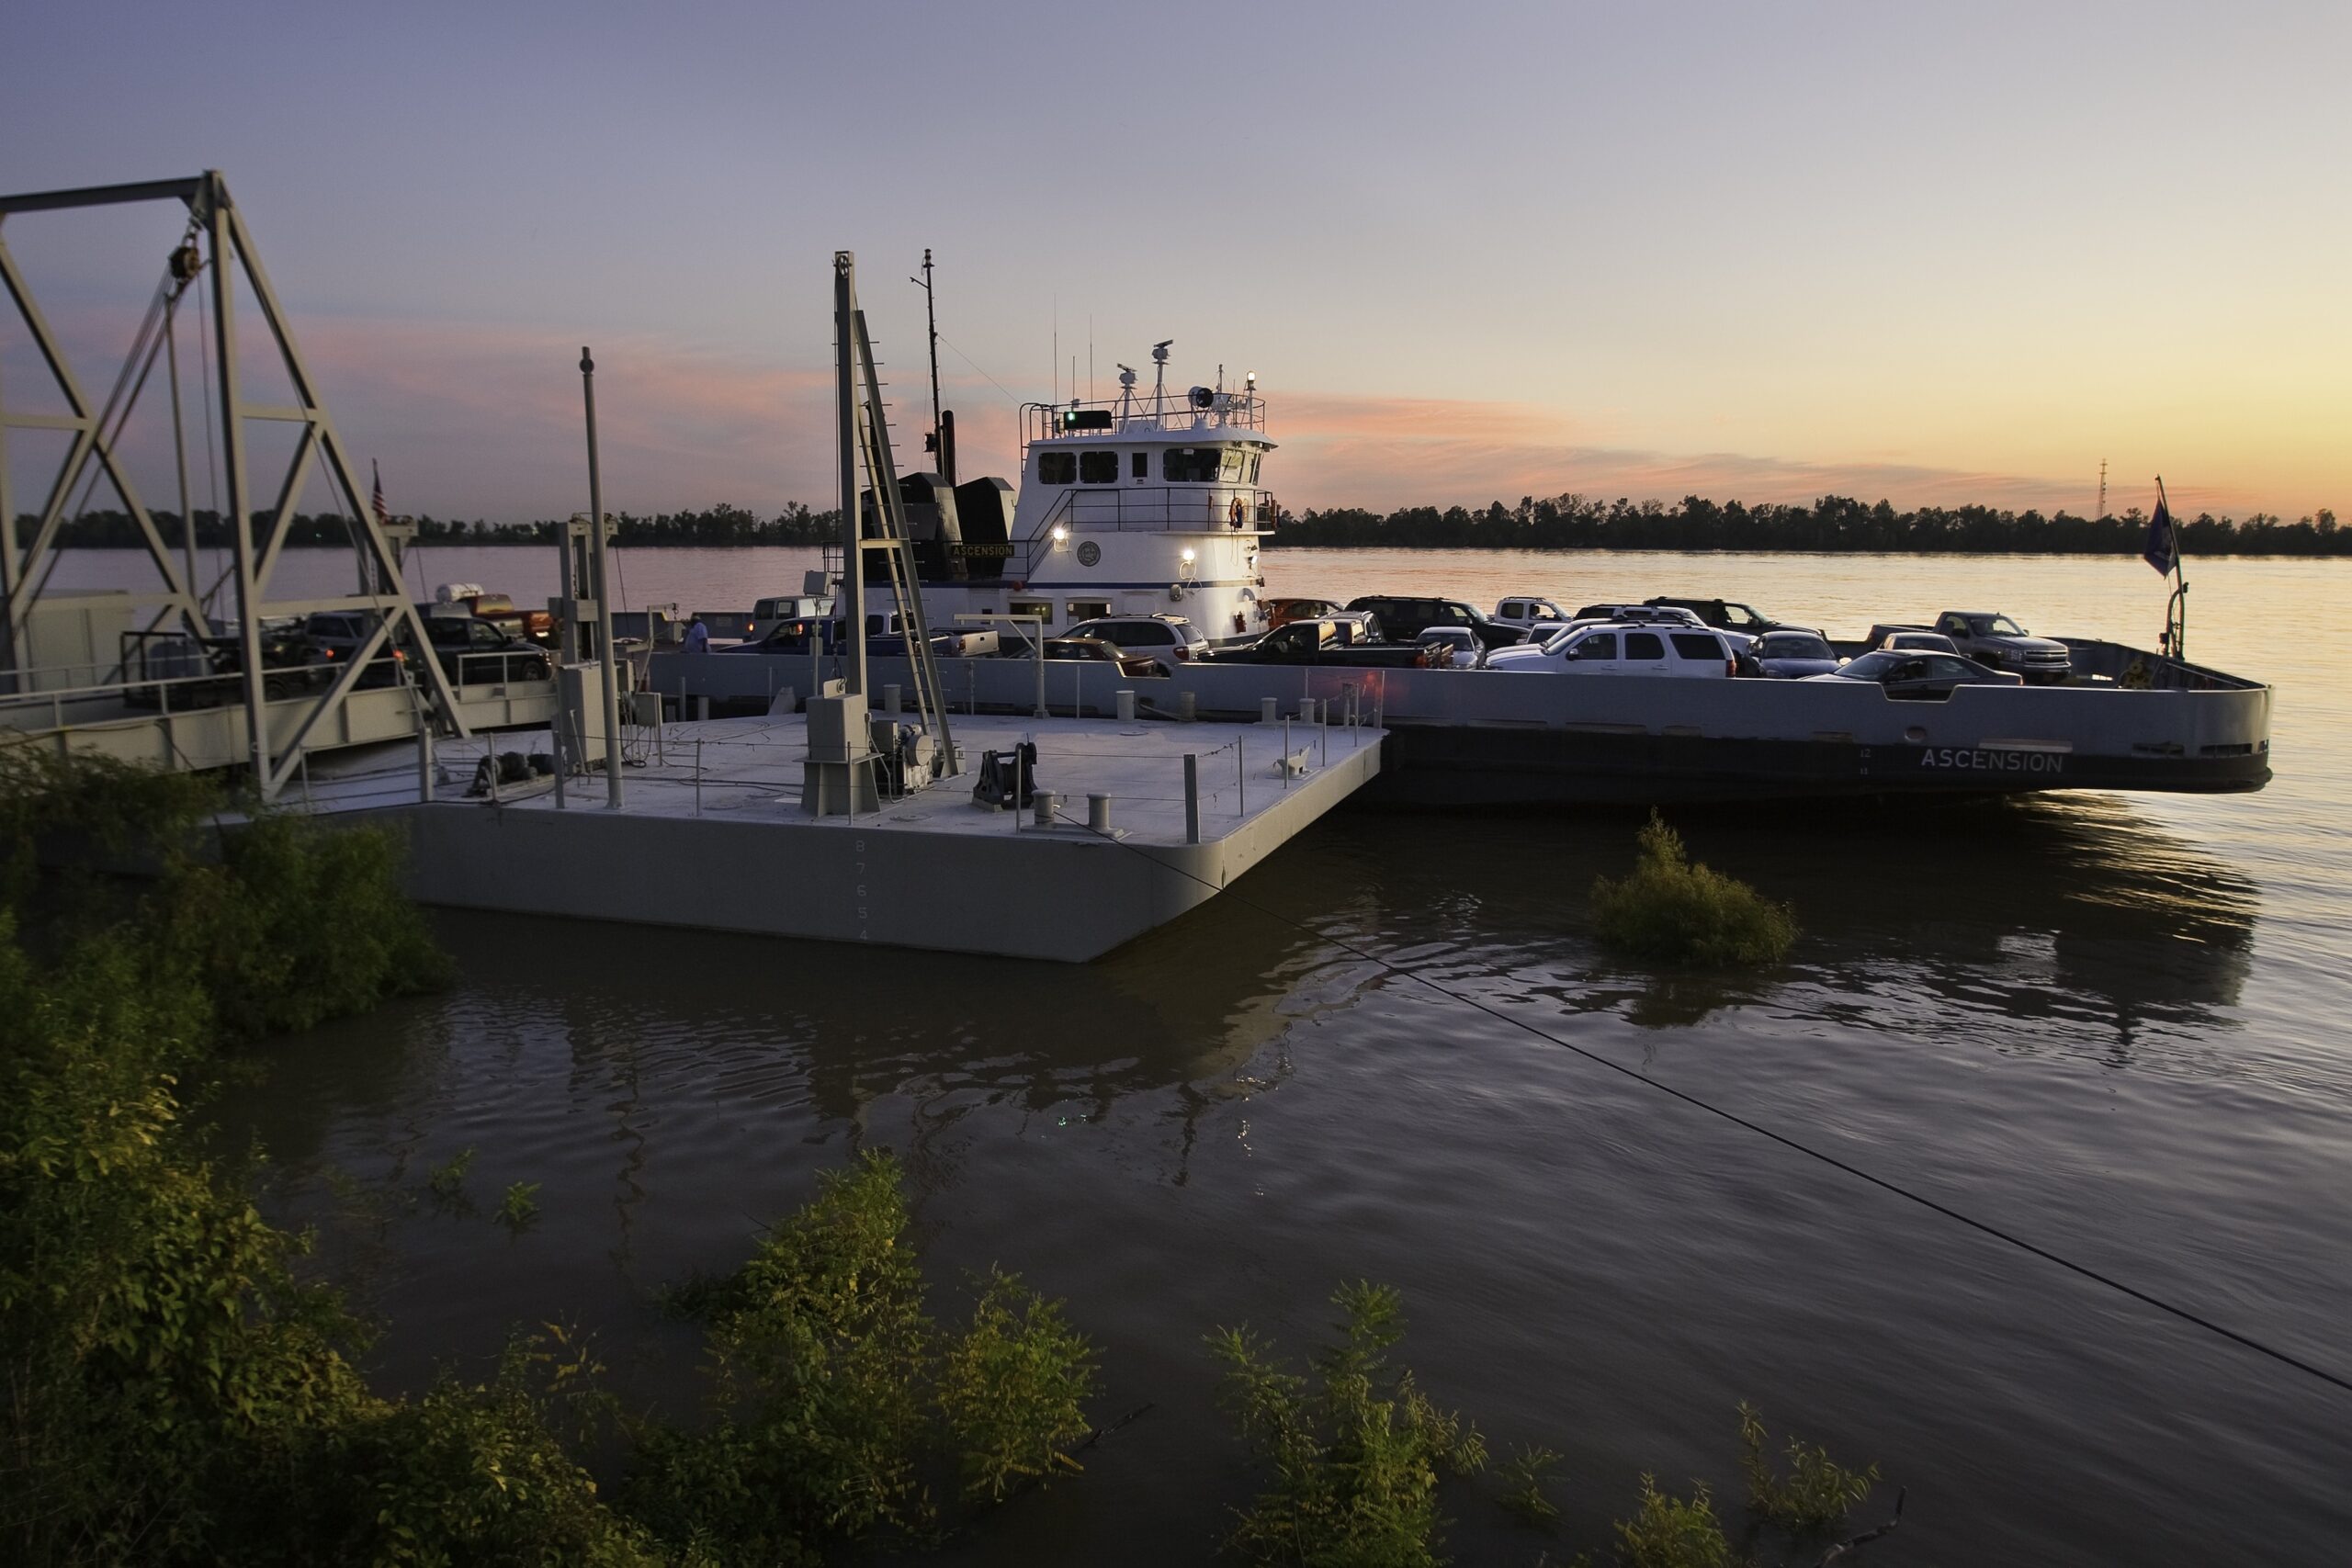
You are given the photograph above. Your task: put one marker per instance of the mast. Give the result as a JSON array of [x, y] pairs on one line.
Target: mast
[[931, 320]]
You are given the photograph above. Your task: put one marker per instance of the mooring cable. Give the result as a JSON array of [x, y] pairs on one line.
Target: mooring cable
[[2184, 1313]]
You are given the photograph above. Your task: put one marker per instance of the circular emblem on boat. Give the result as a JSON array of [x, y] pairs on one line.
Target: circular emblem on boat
[[1088, 553]]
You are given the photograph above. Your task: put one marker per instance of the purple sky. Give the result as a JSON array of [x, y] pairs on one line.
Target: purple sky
[[1473, 252]]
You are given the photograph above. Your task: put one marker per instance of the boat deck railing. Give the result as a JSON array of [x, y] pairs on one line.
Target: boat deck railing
[[1172, 414]]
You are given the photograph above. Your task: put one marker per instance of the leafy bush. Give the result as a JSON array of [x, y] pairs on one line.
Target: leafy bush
[[299, 923], [446, 1181], [1011, 1390], [1673, 910], [520, 1207], [155, 1333], [832, 1384], [1666, 1532], [1815, 1494], [1356, 1460], [1523, 1476], [470, 1472]]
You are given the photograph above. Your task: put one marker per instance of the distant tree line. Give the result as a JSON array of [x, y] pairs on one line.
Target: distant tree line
[[1834, 523], [717, 526]]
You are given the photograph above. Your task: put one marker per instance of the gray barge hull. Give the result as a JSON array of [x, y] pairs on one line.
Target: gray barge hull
[[2132, 720]]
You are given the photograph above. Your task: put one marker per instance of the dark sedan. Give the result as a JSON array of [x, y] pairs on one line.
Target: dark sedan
[[1920, 677], [1794, 656]]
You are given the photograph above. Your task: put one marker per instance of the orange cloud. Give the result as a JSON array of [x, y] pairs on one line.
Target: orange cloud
[[485, 420], [1384, 453]]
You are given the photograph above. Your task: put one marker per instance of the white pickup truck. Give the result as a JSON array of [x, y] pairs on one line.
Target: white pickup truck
[[1619, 648], [1525, 610]]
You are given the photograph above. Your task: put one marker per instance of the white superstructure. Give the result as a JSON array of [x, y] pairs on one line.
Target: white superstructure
[[1146, 504]]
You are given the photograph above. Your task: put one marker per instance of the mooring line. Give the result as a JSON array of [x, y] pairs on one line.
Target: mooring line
[[2184, 1313]]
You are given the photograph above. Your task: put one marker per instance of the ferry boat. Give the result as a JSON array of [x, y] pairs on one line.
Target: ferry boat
[[1153, 505], [1144, 504]]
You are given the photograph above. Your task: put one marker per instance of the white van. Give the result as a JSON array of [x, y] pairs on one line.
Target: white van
[[769, 613], [1617, 648]]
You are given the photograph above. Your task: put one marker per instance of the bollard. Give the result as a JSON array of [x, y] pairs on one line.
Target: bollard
[[1187, 706], [890, 699], [1192, 798], [702, 708], [1269, 709], [1098, 813], [1126, 701], [1043, 800]]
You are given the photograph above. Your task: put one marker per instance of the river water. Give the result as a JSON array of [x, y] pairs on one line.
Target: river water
[[2112, 1026]]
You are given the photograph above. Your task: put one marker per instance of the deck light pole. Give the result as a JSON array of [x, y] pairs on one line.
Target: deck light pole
[[603, 602]]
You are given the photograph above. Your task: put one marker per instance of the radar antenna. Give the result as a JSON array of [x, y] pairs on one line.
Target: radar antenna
[[1159, 375]]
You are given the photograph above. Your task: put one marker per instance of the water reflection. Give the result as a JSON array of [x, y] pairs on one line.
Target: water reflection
[[2072, 916]]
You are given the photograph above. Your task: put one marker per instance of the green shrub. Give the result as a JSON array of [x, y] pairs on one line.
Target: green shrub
[[1672, 910], [1011, 1390], [446, 1181], [1815, 1494], [154, 1334], [299, 923], [468, 1473], [1523, 1476], [1355, 1459], [1666, 1532], [832, 1387], [520, 1207]]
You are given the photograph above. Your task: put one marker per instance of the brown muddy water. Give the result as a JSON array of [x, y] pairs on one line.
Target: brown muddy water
[[2111, 1025]]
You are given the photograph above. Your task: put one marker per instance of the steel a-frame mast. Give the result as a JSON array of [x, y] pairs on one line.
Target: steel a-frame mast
[[865, 437], [275, 744]]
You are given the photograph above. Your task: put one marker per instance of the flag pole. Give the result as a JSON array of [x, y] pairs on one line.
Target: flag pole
[[2175, 640]]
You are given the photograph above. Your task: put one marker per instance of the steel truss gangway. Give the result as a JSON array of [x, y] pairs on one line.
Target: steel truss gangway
[[274, 729]]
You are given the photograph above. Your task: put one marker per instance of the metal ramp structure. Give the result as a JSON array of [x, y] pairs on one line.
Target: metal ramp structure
[[251, 714], [839, 765]]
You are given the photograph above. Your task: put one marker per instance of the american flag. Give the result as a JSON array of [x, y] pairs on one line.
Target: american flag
[[383, 513]]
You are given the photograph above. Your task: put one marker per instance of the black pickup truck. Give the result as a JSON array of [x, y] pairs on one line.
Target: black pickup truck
[[1342, 641]]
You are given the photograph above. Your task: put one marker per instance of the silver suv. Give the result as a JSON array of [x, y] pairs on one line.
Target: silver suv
[[1169, 640]]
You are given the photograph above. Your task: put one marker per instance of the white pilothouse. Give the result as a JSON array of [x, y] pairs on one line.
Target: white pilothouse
[[1144, 504]]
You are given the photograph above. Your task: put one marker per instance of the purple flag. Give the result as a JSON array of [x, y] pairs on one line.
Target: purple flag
[[2163, 550]]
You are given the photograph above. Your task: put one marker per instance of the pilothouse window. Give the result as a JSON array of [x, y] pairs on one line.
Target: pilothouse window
[[1230, 467], [1190, 465], [1098, 468], [1143, 465], [1057, 467]]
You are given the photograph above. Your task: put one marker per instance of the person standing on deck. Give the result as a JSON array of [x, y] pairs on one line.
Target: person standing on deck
[[697, 639]]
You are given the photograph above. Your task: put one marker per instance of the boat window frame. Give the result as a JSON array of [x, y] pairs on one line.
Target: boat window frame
[[1098, 467], [1169, 468], [1064, 462]]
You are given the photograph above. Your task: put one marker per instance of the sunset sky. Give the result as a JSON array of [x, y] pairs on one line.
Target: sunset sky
[[1472, 250]]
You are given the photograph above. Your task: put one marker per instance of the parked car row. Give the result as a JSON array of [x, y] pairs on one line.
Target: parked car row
[[1527, 633]]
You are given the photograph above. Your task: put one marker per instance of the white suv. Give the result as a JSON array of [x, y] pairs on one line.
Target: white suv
[[1619, 648], [1170, 640]]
